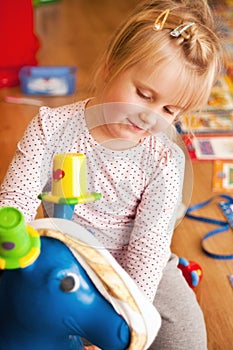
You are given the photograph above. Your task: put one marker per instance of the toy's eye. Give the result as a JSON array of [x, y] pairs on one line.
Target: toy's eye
[[70, 283]]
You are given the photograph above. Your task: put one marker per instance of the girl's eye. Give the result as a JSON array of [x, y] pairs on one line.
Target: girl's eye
[[70, 283], [167, 110], [144, 95]]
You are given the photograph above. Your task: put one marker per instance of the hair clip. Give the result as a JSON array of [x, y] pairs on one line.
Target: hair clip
[[180, 30], [161, 19]]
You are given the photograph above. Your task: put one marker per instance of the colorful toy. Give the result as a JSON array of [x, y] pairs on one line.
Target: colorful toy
[[69, 185], [19, 244], [73, 289], [53, 298], [48, 80], [43, 2], [60, 285], [191, 271]]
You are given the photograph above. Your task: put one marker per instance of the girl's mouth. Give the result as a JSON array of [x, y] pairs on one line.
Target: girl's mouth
[[134, 126]]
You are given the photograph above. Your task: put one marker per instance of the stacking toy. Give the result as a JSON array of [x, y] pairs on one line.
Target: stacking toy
[[69, 185], [58, 284], [192, 272], [74, 289], [53, 302], [19, 244]]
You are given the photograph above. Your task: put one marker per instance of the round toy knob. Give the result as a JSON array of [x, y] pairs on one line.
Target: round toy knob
[[19, 243]]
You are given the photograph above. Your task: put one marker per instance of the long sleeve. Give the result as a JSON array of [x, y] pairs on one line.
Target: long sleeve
[[149, 246], [30, 169], [25, 178]]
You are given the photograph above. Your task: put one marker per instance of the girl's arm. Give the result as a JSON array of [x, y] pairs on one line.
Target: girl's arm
[[31, 166], [149, 247]]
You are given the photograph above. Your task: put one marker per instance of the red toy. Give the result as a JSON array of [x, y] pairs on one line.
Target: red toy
[[19, 43], [192, 272]]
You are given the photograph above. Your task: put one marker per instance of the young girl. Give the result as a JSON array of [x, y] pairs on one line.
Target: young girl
[[162, 62]]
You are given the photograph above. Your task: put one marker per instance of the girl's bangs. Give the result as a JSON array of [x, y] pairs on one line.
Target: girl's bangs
[[194, 90], [193, 87]]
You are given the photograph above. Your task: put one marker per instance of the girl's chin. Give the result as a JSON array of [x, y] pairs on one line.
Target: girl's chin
[[123, 133], [131, 135]]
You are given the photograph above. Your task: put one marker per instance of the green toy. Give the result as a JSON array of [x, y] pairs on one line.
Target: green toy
[[19, 243], [42, 2]]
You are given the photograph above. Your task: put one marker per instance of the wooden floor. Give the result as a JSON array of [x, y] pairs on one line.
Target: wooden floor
[[74, 32]]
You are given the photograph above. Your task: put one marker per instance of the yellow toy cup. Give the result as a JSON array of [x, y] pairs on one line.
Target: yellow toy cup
[[69, 175], [69, 182]]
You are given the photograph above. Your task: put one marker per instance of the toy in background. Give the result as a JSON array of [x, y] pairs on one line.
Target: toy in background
[[225, 204], [59, 284], [192, 272], [19, 44], [222, 180], [43, 2], [48, 80]]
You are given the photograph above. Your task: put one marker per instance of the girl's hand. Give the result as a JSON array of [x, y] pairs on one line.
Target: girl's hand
[[91, 347]]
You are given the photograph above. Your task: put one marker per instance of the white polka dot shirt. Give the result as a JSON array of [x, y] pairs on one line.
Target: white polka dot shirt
[[141, 188]]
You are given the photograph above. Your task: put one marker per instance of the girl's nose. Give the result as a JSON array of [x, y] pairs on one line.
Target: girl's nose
[[149, 117]]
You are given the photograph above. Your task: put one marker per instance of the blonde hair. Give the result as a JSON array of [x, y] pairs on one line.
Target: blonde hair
[[136, 41]]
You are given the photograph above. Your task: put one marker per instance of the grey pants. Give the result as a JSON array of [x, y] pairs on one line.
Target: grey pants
[[183, 326]]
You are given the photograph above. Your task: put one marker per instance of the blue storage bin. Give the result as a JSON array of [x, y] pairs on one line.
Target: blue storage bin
[[48, 80]]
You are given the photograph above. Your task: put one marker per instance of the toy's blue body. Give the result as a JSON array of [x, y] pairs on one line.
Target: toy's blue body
[[50, 304]]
